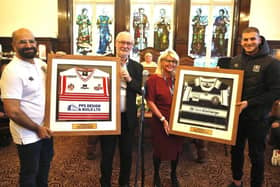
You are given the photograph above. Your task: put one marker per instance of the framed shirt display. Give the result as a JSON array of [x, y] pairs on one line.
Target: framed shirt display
[[205, 107], [83, 95]]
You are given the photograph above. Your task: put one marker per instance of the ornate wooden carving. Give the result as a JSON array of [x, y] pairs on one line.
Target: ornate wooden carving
[[186, 61]]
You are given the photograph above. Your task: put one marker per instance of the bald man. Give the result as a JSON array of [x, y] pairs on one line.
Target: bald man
[[23, 95]]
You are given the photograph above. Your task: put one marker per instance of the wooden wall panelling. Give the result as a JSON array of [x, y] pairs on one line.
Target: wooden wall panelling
[[65, 30], [122, 16], [186, 61], [181, 23], [50, 43], [6, 43], [242, 13]]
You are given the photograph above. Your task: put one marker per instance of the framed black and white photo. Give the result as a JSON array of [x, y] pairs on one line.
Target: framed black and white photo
[[204, 103]]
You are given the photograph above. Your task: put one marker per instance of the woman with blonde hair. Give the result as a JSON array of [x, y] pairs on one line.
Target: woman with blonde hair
[[159, 98]]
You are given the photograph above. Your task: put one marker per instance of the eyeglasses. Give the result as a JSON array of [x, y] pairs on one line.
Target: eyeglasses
[[170, 61], [125, 42]]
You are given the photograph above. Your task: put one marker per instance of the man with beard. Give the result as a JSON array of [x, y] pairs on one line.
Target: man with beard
[[23, 95], [261, 86], [131, 80]]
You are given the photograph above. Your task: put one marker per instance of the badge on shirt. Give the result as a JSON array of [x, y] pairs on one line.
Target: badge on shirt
[[256, 68], [84, 86], [215, 100], [98, 87], [71, 87]]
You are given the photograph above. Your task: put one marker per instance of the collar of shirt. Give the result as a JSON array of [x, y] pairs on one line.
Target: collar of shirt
[[125, 63]]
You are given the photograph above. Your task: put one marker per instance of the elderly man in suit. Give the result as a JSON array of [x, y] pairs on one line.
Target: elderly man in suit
[[131, 80]]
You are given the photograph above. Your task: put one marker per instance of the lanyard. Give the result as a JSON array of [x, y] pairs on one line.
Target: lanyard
[[171, 89]]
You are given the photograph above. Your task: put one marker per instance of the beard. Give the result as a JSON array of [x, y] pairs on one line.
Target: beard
[[27, 53]]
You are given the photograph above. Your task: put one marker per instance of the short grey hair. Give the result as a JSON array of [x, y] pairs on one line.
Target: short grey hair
[[126, 33]]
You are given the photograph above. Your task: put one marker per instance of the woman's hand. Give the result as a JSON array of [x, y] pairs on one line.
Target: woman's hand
[[166, 126]]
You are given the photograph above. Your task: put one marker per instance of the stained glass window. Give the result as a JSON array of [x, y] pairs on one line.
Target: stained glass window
[[93, 32], [152, 24], [210, 31]]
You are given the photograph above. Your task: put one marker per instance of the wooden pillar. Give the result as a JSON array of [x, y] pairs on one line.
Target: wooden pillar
[[122, 15], [181, 35], [242, 13], [65, 26]]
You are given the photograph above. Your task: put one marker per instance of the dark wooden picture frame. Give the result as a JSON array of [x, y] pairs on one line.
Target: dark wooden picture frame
[[83, 95], [204, 103]]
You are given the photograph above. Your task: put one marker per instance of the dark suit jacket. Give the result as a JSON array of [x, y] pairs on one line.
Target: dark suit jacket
[[135, 70]]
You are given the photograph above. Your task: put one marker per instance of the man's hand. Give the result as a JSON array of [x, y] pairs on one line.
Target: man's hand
[[242, 105], [125, 75], [275, 125], [44, 132]]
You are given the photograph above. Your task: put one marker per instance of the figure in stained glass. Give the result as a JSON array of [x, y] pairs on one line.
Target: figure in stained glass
[[84, 40], [220, 29], [140, 26], [105, 37], [161, 32], [199, 24]]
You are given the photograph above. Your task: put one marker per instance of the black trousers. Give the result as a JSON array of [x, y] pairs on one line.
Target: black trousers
[[275, 137], [255, 132], [108, 145], [35, 160]]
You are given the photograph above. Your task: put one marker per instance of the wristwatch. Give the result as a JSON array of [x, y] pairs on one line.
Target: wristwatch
[[162, 119]]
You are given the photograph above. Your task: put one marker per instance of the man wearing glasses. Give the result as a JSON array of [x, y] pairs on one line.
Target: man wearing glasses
[[131, 81]]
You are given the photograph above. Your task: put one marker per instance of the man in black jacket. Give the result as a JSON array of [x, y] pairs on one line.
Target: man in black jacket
[[131, 81], [261, 86]]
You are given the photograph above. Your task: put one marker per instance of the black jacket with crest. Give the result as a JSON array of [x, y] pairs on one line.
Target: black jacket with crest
[[261, 84]]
